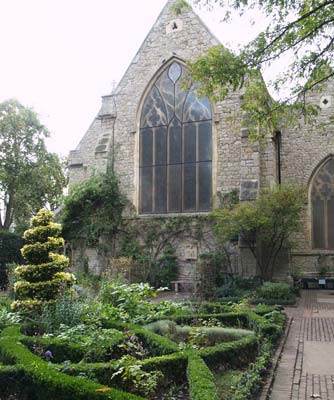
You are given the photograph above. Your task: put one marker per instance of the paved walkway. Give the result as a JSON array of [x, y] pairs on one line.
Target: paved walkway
[[306, 367]]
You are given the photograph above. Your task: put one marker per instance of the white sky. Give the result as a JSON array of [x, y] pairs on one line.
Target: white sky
[[61, 56]]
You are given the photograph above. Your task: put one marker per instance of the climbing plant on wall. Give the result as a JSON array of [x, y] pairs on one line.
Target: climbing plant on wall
[[93, 209], [43, 279], [151, 243]]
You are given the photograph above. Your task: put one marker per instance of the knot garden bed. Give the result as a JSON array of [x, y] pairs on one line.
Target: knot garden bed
[[70, 377]]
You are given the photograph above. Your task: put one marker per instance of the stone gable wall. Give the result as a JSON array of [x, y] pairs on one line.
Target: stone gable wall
[[237, 163]]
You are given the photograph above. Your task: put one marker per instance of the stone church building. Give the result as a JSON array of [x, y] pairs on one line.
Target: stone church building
[[176, 154]]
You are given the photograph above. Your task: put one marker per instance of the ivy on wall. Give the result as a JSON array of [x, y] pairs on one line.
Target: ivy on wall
[[93, 209]]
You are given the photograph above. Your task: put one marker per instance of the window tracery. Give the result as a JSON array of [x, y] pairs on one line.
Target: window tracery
[[175, 147], [322, 199]]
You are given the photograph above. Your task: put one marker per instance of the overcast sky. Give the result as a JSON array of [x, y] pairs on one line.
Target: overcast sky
[[61, 56]]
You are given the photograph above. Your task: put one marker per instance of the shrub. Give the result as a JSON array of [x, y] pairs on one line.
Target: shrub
[[46, 381], [200, 379], [43, 279], [66, 310], [127, 303], [251, 380], [274, 291], [265, 225]]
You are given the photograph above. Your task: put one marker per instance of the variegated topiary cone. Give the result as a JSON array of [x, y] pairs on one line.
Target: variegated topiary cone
[[43, 279]]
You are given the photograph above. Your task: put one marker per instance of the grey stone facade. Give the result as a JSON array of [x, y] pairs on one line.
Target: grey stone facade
[[237, 163]]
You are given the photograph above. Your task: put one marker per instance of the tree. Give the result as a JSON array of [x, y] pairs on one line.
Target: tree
[[304, 28], [43, 279], [265, 225], [30, 176]]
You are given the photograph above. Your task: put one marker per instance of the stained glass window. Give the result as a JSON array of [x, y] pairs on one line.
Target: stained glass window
[[322, 198], [175, 147]]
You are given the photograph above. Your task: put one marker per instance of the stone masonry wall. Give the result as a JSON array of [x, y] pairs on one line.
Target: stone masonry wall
[[187, 42], [303, 149]]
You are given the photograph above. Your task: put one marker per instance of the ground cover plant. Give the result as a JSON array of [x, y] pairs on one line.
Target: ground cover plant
[[121, 345]]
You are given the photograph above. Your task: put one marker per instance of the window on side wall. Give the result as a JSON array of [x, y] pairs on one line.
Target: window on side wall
[[322, 202]]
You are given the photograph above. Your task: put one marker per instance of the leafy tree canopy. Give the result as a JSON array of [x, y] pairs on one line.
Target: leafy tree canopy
[[265, 225], [302, 28], [30, 176]]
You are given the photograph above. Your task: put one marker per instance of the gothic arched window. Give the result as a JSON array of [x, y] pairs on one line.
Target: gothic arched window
[[322, 198], [175, 147]]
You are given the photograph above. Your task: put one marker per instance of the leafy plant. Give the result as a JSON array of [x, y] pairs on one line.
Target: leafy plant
[[265, 225], [131, 370], [7, 318], [127, 303], [179, 7], [274, 290], [66, 311], [93, 209]]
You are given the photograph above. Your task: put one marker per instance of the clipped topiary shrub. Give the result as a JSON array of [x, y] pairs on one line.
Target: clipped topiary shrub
[[43, 279]]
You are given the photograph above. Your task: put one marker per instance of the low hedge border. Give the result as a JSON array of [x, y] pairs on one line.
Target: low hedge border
[[157, 345], [173, 366], [272, 302], [11, 380], [231, 319], [251, 380], [251, 320], [63, 350], [232, 354], [200, 380], [44, 379]]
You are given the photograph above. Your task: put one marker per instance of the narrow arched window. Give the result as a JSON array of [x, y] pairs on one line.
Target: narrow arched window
[[175, 147], [322, 198]]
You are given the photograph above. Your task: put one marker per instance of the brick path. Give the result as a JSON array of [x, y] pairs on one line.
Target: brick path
[[306, 367]]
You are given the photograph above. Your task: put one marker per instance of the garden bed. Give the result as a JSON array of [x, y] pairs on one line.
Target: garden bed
[[187, 371]]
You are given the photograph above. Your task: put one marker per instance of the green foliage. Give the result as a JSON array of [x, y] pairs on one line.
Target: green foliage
[[30, 176], [179, 7], [200, 378], [127, 303], [266, 225], [10, 244], [236, 288], [275, 291], [130, 369], [43, 279], [250, 381], [93, 209], [67, 311], [7, 318], [44, 379], [150, 243], [164, 269], [304, 28], [97, 343]]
